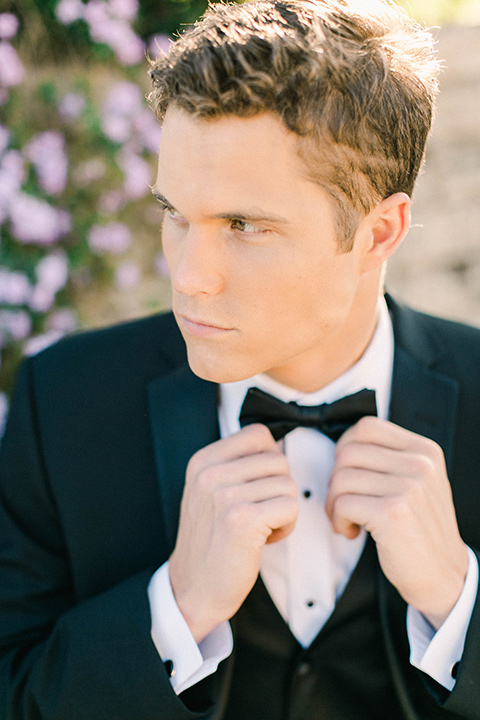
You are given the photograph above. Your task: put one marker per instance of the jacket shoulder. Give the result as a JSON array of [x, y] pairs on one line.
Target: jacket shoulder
[[128, 356], [436, 340]]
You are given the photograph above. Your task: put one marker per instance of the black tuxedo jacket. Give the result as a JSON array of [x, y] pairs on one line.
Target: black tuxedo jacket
[[92, 467]]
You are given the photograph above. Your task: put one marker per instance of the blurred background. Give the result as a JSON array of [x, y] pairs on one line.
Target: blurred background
[[80, 242]]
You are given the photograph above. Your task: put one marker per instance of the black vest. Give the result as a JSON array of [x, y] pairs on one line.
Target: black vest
[[343, 675]]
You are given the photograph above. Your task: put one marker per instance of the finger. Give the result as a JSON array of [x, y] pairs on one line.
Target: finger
[[348, 481], [350, 512], [369, 456], [384, 433], [256, 491], [249, 440], [242, 470], [279, 516]]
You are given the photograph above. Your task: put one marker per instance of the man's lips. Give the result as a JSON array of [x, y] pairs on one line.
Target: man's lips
[[201, 328]]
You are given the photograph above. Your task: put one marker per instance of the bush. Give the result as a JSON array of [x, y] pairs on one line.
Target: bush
[[77, 153]]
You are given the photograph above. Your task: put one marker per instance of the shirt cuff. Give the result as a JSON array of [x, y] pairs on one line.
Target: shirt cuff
[[188, 662], [438, 653]]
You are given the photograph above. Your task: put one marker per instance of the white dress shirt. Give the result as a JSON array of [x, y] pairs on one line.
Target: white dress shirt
[[306, 585]]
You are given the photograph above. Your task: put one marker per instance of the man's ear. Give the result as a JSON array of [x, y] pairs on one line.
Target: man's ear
[[387, 225]]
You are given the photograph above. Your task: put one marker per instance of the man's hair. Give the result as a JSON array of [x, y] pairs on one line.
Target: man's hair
[[355, 80]]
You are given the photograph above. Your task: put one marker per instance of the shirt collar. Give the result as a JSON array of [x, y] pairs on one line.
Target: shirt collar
[[373, 371]]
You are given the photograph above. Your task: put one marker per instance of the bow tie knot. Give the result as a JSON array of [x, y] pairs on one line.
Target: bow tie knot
[[330, 419]]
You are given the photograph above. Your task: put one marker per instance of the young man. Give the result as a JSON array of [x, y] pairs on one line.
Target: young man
[[175, 542]]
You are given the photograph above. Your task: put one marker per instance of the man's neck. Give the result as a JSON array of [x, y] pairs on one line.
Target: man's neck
[[317, 369]]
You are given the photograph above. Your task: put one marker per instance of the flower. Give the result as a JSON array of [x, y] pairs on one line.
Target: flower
[[37, 343], [8, 25], [63, 320], [71, 106], [111, 202], [159, 45], [137, 175], [52, 276], [113, 237], [125, 9], [119, 109], [127, 275], [52, 271], [68, 11], [47, 153], [12, 71], [15, 323], [35, 221], [114, 30], [15, 287], [12, 175], [148, 129]]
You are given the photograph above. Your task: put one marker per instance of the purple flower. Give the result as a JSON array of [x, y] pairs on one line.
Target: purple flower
[[42, 299], [113, 237], [127, 275], [8, 25], [12, 175], [128, 47], [12, 71], [15, 287], [15, 324], [121, 105], [52, 271], [47, 153], [123, 98], [114, 31], [69, 10], [137, 175], [159, 45], [71, 106], [35, 221], [149, 130], [52, 276], [125, 9], [63, 320], [39, 342], [111, 202]]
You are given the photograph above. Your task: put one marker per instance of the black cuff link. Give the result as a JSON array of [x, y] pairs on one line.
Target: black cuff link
[[454, 670], [170, 668]]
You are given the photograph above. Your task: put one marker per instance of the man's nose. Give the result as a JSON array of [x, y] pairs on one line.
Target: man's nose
[[198, 265]]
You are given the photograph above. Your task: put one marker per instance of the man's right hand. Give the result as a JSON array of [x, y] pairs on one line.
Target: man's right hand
[[238, 496]]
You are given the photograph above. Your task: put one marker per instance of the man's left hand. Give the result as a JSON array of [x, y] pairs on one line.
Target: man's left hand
[[394, 483]]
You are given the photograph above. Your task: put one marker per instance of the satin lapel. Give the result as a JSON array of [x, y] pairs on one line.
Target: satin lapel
[[423, 401], [183, 417]]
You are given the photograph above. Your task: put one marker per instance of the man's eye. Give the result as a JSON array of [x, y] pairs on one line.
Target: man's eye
[[244, 226]]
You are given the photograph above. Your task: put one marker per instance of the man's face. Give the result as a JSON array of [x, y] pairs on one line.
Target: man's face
[[259, 284]]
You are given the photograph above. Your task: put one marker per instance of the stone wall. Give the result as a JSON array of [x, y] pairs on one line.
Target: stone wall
[[437, 269]]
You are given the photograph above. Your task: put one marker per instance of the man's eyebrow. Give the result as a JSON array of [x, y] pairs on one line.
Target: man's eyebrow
[[253, 215]]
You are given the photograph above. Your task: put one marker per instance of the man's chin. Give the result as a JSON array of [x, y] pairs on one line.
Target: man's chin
[[214, 370]]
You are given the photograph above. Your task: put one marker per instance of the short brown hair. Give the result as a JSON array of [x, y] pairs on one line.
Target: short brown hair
[[355, 80]]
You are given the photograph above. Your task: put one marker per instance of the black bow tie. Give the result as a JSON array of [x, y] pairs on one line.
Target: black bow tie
[[281, 418]]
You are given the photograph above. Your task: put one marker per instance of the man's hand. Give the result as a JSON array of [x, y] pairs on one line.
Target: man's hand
[[394, 483], [238, 496]]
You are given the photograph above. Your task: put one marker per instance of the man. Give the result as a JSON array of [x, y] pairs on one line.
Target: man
[[162, 558]]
